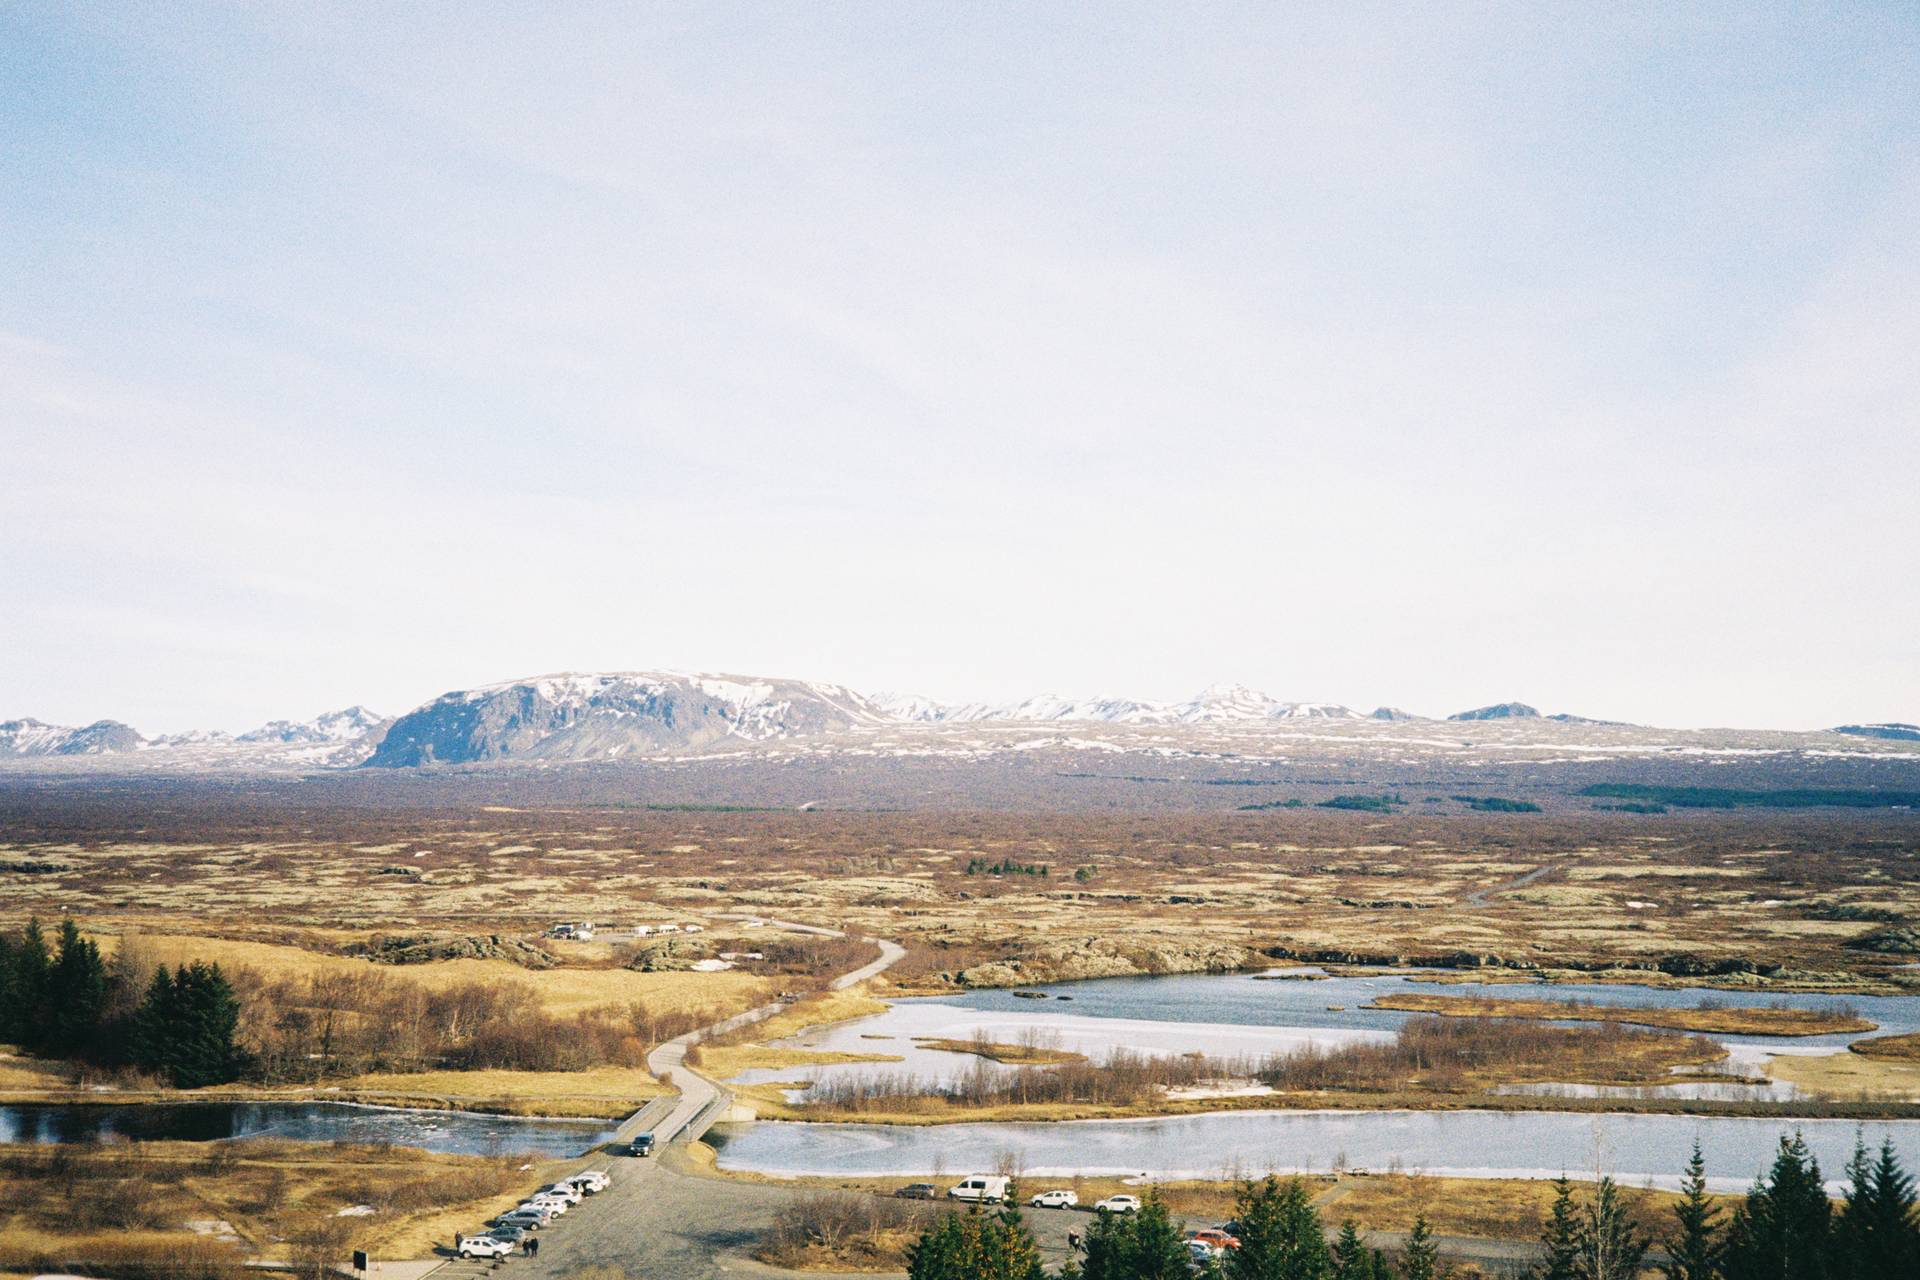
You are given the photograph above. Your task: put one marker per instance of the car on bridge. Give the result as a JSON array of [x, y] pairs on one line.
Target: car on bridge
[[641, 1146]]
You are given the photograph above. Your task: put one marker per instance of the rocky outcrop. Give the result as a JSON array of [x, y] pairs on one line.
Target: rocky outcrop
[[667, 955], [1901, 940], [426, 948], [1100, 958]]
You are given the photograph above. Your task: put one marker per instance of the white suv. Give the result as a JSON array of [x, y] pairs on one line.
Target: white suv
[[484, 1247], [1057, 1199]]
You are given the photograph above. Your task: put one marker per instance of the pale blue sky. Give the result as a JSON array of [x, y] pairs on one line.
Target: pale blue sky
[[1429, 355]]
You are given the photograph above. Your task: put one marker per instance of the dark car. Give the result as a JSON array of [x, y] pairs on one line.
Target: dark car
[[918, 1191], [641, 1146]]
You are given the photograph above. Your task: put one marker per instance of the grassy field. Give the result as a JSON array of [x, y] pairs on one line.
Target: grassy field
[[1904, 1048], [1850, 1077], [562, 991], [259, 1198], [1751, 1021]]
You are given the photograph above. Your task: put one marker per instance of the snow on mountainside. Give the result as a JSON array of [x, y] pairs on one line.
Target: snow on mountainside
[[576, 717], [30, 737], [1216, 705], [354, 723]]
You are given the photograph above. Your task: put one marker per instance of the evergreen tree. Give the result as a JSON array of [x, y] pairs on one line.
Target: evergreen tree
[[1561, 1237], [184, 1028], [1695, 1250], [26, 1012], [1147, 1245], [976, 1246], [1877, 1233], [1352, 1260], [76, 995], [1782, 1231], [1280, 1234], [1420, 1260], [1610, 1246], [6, 991]]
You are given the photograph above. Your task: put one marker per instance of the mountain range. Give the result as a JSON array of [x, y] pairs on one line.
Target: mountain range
[[607, 716]]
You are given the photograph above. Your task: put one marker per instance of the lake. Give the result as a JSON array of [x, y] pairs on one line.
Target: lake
[[1233, 1015], [1635, 1149]]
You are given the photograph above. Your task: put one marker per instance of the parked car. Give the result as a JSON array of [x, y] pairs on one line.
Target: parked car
[[641, 1146], [1118, 1204], [592, 1182], [527, 1216], [1201, 1254], [1216, 1237], [918, 1191], [1058, 1198], [565, 1190], [982, 1189], [512, 1235], [484, 1247], [552, 1206]]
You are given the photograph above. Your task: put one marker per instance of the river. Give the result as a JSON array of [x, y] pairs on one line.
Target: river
[[447, 1132]]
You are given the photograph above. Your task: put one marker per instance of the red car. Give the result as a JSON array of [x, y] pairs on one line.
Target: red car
[[1214, 1236]]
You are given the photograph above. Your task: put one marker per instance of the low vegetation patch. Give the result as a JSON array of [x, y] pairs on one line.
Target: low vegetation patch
[[1739, 798], [1904, 1048], [1497, 804], [1383, 803], [838, 1231], [1705, 1017], [1013, 1055]]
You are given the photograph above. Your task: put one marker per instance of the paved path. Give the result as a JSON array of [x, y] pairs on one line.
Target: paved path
[[665, 1218], [701, 1099]]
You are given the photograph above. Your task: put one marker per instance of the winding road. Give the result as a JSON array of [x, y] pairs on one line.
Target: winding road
[[669, 1218], [701, 1099]]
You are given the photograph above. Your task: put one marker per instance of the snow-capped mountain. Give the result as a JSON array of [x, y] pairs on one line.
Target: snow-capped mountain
[[1215, 705], [350, 725], [573, 717], [28, 737]]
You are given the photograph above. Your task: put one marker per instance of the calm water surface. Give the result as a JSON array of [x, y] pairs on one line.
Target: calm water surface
[[446, 1132], [1473, 1144]]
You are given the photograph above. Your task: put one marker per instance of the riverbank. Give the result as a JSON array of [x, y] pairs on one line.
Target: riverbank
[[1771, 1020], [594, 1094]]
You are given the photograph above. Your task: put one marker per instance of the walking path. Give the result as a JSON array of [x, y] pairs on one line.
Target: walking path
[[669, 1218]]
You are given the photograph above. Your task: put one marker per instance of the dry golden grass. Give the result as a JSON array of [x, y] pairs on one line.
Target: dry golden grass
[[1749, 1021], [1013, 1055], [820, 1010], [562, 991], [726, 1061], [266, 1190], [1904, 1048], [1849, 1077], [1497, 1209], [27, 1075], [596, 1091]]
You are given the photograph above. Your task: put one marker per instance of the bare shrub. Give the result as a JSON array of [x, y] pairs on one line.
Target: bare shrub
[[838, 1223]]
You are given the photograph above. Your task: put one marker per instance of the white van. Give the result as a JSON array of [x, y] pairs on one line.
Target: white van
[[981, 1189]]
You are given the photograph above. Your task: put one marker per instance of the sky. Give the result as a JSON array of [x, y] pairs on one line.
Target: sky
[[1420, 355]]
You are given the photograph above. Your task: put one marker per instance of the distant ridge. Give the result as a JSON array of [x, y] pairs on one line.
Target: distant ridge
[[1498, 711], [1893, 730], [29, 737]]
